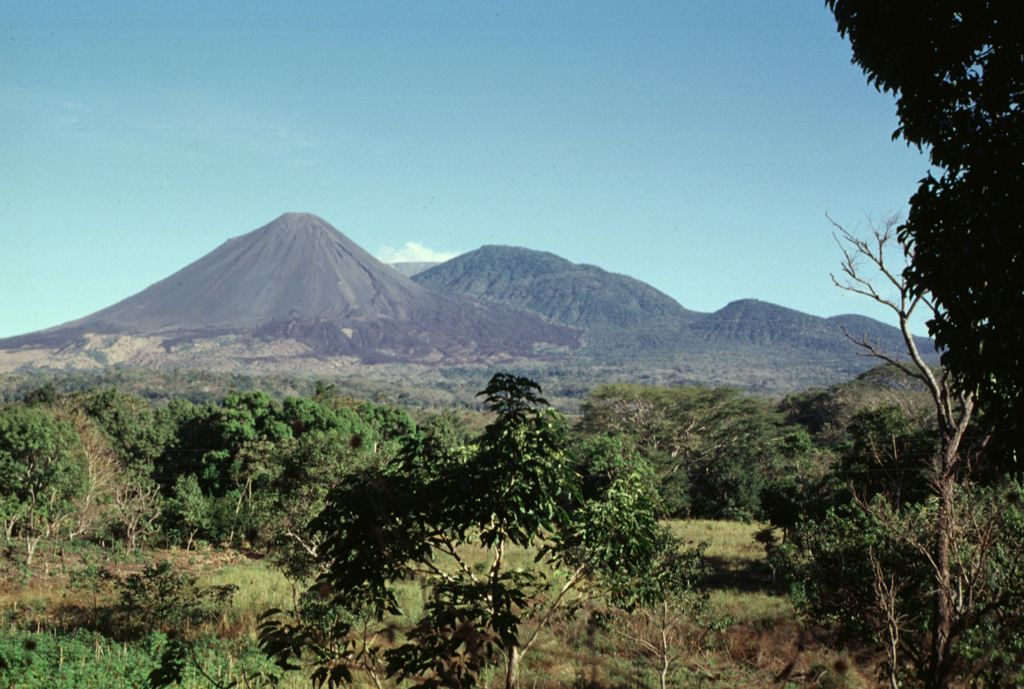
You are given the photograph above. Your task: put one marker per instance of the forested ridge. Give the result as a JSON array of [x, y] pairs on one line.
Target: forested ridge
[[243, 443]]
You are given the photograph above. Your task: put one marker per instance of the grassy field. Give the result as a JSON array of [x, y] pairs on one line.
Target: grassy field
[[749, 637]]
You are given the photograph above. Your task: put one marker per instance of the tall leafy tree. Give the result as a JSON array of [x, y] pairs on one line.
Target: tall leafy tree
[[707, 445], [43, 469], [957, 71], [138, 432], [450, 519], [889, 455]]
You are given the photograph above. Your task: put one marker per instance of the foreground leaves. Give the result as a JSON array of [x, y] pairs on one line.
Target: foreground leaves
[[446, 519]]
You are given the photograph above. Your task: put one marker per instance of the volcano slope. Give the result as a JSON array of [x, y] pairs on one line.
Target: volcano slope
[[296, 287]]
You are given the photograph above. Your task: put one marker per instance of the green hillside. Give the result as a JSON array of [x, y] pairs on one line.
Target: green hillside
[[623, 317]]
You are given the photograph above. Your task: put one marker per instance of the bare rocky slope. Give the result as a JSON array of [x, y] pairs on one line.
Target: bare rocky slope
[[301, 281]]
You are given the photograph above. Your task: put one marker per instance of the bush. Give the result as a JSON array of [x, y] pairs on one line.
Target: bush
[[162, 598]]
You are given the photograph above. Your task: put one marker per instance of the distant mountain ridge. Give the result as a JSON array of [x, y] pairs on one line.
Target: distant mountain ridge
[[621, 315], [763, 323], [298, 295], [566, 292], [628, 320]]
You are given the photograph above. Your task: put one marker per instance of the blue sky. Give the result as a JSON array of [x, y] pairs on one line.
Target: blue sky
[[694, 145]]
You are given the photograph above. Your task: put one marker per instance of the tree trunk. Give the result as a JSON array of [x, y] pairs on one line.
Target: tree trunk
[[663, 675], [941, 646], [512, 668], [31, 543], [945, 485]]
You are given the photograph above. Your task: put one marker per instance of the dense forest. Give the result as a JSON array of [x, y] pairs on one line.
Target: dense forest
[[105, 465]]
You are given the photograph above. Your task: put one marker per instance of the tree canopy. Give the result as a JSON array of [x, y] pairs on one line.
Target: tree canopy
[[497, 534], [957, 71], [706, 445]]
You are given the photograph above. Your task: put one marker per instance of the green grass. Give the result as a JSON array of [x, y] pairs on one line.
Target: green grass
[[762, 642], [260, 587]]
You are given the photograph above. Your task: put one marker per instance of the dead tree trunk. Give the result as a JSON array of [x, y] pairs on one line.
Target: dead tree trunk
[[952, 414]]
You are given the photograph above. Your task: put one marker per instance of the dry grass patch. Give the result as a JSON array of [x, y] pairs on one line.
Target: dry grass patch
[[762, 643], [752, 639]]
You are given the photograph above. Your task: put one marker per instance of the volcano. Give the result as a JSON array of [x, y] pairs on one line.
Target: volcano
[[300, 280]]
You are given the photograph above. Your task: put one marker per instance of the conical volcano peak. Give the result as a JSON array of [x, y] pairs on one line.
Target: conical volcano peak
[[297, 266], [293, 222], [297, 278], [298, 226], [292, 216]]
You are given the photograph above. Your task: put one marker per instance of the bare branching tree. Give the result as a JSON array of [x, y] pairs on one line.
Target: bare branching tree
[[890, 621], [957, 539]]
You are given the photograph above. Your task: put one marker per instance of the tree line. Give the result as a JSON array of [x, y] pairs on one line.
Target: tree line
[[251, 470]]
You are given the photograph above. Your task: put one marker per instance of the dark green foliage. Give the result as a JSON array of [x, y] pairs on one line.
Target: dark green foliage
[[800, 481], [187, 512], [731, 489], [389, 422], [249, 468], [43, 471], [302, 473], [602, 460], [957, 73], [86, 660], [416, 518], [826, 413], [833, 575], [165, 598], [197, 435], [137, 431], [82, 659], [829, 566], [513, 484], [211, 439], [303, 415], [249, 415], [45, 394], [709, 447], [446, 429], [994, 646], [888, 455], [41, 457], [900, 546], [213, 662]]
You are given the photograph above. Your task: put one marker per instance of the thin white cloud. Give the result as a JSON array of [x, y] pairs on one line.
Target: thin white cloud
[[413, 252], [166, 123]]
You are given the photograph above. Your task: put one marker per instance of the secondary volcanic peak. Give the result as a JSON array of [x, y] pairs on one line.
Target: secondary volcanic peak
[[299, 277]]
